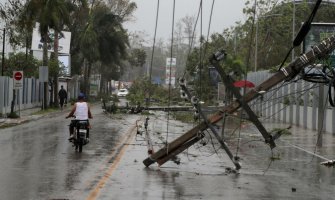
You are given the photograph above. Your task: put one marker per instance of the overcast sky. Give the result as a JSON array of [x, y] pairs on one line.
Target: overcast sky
[[225, 14]]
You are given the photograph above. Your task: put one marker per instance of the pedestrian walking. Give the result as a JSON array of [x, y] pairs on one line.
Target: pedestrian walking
[[62, 97]]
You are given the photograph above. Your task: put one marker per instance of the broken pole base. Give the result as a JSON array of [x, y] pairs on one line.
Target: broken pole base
[[169, 154], [177, 143]]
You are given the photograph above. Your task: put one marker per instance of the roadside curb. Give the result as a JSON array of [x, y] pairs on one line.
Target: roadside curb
[[9, 122], [27, 117]]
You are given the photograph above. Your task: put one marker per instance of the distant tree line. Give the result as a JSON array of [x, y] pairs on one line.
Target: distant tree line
[[99, 43]]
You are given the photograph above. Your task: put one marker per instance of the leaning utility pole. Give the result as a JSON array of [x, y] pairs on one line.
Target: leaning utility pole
[[3, 51], [195, 134]]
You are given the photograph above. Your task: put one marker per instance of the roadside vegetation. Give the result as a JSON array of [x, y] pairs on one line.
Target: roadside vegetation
[[46, 111], [141, 89], [186, 117]]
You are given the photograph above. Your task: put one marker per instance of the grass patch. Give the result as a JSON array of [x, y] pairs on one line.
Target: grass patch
[[13, 115], [3, 126], [275, 157], [283, 131], [48, 110], [185, 117], [146, 113]]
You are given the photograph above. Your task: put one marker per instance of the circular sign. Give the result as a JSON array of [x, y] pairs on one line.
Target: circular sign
[[18, 76]]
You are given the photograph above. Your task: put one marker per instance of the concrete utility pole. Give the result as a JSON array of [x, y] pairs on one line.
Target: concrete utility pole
[[3, 51], [256, 36], [293, 27], [321, 114]]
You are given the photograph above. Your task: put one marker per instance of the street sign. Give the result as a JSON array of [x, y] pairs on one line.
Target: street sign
[[18, 79], [43, 74], [170, 71]]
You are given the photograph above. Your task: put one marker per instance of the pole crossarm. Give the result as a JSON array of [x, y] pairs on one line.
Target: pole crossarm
[[227, 80], [293, 69], [197, 106]]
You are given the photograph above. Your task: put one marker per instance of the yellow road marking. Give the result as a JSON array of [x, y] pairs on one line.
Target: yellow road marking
[[95, 192]]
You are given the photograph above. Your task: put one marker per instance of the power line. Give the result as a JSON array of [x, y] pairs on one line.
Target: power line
[[152, 55], [192, 39], [209, 26], [170, 75], [200, 54]]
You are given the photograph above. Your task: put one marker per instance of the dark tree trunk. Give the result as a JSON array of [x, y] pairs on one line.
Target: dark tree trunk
[[55, 78], [13, 102], [88, 80], [85, 76], [51, 91], [45, 63]]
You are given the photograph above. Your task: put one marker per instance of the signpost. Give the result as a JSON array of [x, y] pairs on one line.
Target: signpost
[[18, 84], [170, 71], [43, 78]]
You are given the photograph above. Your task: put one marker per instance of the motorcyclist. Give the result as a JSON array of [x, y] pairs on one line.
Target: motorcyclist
[[81, 110]]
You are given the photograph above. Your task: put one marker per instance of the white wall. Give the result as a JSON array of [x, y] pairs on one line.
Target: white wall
[[302, 109]]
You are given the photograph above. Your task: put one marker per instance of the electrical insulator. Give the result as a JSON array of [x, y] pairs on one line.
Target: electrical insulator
[[196, 114], [195, 118], [194, 100], [182, 82], [219, 55], [183, 95], [203, 142]]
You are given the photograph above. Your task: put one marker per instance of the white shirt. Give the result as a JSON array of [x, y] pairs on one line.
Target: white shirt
[[81, 112]]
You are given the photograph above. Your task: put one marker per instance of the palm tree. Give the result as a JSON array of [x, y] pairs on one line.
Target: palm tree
[[59, 16], [103, 39], [89, 49], [49, 14]]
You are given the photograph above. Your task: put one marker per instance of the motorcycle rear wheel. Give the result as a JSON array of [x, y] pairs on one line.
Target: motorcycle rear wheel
[[80, 145]]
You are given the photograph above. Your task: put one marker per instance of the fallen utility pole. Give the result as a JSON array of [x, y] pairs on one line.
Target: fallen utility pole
[[112, 108], [287, 73]]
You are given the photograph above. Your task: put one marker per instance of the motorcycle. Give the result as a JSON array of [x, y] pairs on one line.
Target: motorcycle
[[81, 133]]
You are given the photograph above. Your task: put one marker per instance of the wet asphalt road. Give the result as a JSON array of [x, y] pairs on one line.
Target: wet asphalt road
[[204, 173], [38, 162]]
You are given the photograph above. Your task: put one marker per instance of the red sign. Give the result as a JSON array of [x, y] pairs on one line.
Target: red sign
[[18, 76], [18, 79]]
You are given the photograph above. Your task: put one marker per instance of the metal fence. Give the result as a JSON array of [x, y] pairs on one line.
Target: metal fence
[[30, 95], [296, 102]]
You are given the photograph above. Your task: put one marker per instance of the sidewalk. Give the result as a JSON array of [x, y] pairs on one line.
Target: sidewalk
[[29, 115], [25, 116]]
